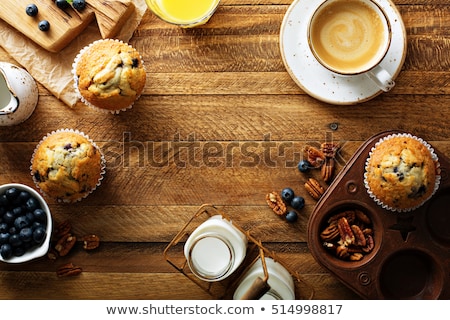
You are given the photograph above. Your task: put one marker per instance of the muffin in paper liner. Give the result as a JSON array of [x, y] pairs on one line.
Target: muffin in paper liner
[[109, 75], [67, 165], [401, 172]]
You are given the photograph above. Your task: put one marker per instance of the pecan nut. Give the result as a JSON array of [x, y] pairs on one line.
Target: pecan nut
[[62, 229], [327, 170], [345, 231], [314, 188], [330, 233], [90, 242], [65, 244], [360, 238], [314, 156], [68, 270], [329, 149], [275, 202]]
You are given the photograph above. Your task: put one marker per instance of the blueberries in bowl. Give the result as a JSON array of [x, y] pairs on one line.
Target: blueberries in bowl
[[25, 224]]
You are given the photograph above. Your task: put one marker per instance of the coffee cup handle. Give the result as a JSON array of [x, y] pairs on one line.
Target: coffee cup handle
[[381, 78]]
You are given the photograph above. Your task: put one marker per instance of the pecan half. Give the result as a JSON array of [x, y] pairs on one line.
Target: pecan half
[[90, 242], [275, 202], [62, 229], [65, 244], [329, 149], [342, 252], [327, 170], [68, 270], [360, 238], [314, 156], [330, 233], [370, 244], [52, 254], [345, 231], [356, 256], [314, 188], [362, 217]]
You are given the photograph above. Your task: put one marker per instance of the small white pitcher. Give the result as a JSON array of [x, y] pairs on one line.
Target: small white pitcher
[[18, 94]]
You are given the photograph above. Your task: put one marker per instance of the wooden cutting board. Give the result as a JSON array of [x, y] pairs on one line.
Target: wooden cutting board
[[67, 24]]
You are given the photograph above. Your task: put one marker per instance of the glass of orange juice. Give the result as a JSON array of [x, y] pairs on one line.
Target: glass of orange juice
[[184, 13]]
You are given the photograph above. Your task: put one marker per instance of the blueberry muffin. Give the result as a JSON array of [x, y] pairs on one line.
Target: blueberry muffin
[[67, 166], [109, 75], [401, 172]]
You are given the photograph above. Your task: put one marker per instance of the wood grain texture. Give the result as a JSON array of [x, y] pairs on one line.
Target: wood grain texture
[[220, 121]]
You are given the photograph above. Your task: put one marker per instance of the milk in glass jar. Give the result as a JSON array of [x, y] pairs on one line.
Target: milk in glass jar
[[280, 281], [215, 249]]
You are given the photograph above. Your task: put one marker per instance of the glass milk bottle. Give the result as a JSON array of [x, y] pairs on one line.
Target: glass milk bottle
[[215, 249], [280, 281]]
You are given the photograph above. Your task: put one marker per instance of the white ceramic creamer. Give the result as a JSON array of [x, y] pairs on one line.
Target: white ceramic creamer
[[280, 281], [215, 249], [18, 94]]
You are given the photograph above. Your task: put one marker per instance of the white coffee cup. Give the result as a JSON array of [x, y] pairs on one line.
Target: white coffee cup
[[352, 37]]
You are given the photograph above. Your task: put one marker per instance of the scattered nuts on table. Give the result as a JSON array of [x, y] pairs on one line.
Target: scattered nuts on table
[[63, 242], [348, 235]]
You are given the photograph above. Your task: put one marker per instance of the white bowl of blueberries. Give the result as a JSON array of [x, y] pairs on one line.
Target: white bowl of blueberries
[[25, 224]]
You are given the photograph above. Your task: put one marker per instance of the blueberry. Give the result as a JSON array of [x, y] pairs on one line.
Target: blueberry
[[24, 196], [12, 194], [31, 10], [40, 215], [18, 251], [8, 217], [26, 234], [14, 240], [39, 234], [3, 200], [62, 4], [4, 237], [298, 202], [79, 5], [30, 217], [304, 165], [17, 211], [44, 25], [291, 216], [4, 227], [32, 204], [6, 251], [21, 222], [287, 194]]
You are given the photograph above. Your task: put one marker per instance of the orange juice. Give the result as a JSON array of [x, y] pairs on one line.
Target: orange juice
[[186, 13]]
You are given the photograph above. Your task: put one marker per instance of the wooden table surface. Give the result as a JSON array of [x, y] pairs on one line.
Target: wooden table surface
[[220, 122]]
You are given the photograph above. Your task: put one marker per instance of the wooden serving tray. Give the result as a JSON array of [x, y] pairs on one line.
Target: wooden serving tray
[[67, 24]]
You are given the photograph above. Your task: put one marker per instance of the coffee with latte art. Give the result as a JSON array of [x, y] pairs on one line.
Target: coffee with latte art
[[349, 36]]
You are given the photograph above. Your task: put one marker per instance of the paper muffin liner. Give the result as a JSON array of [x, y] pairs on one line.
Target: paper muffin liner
[[102, 166], [75, 78], [434, 157]]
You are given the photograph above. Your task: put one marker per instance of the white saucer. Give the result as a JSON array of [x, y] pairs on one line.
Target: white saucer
[[321, 83]]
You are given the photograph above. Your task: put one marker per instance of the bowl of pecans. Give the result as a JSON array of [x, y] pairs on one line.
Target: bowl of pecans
[[25, 224], [375, 252]]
